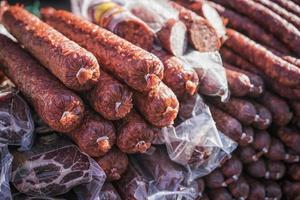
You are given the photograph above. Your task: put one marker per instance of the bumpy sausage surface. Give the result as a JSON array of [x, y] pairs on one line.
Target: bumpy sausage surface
[[110, 98], [95, 136], [134, 134], [160, 106], [138, 68], [60, 108], [77, 68]]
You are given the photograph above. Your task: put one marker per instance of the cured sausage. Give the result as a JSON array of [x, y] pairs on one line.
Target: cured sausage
[[219, 194], [291, 6], [277, 152], [114, 164], [296, 107], [138, 68], [134, 134], [255, 80], [77, 68], [178, 76], [257, 189], [110, 98], [249, 131], [168, 36], [291, 190], [273, 190], [290, 137], [272, 65], [239, 84], [108, 192], [279, 108], [120, 21], [60, 108], [290, 17], [245, 25], [241, 109], [95, 136], [263, 118], [294, 171], [160, 106], [232, 169], [202, 36], [240, 189], [283, 91], [284, 31], [229, 125]]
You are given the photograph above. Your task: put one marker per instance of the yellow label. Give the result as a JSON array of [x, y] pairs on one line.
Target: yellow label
[[100, 9]]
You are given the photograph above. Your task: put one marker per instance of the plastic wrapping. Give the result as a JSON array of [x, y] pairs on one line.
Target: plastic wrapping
[[16, 127], [53, 167], [5, 164], [211, 73], [196, 143]]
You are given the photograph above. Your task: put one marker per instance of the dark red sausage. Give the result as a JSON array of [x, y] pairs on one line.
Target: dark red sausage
[[240, 189], [138, 68], [290, 137], [178, 76], [60, 108], [114, 164], [257, 189], [95, 136], [159, 106], [263, 117], [77, 68], [134, 134], [110, 98], [120, 21]]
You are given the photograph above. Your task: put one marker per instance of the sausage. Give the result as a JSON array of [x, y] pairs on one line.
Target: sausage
[[110, 98], [229, 125], [232, 169], [294, 172], [240, 189], [275, 170], [290, 137], [291, 190], [219, 194], [283, 91], [178, 76], [139, 69], [215, 179], [241, 109], [114, 164], [202, 36], [108, 191], [231, 57], [173, 37], [273, 190], [255, 80], [257, 169], [77, 68], [160, 106], [263, 117], [277, 152], [291, 6], [134, 134], [41, 88], [239, 84], [120, 21], [249, 132], [272, 65], [95, 136], [296, 107], [284, 31], [245, 25], [261, 142], [248, 154], [279, 108], [290, 17], [257, 189]]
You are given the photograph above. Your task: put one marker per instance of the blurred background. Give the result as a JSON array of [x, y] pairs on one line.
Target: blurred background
[[65, 4]]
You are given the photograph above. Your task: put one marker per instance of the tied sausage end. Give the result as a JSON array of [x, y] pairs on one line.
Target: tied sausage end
[[191, 87], [114, 174], [69, 117], [103, 144], [85, 75], [142, 146], [152, 80], [247, 138]]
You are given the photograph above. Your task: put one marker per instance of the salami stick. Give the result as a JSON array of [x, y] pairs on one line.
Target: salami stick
[[290, 17], [139, 69], [111, 98], [279, 108], [77, 68], [239, 84], [95, 136], [178, 76], [229, 125], [296, 107], [290, 137], [255, 80], [134, 134], [263, 117], [289, 5], [273, 66], [281, 28], [160, 106], [114, 164], [60, 108], [118, 20], [202, 36], [241, 109], [283, 91], [251, 29]]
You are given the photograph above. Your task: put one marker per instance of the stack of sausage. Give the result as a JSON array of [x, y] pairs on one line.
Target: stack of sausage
[[263, 73]]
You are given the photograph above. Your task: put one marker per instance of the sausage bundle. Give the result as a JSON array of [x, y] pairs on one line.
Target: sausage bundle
[[139, 69], [77, 68], [60, 108]]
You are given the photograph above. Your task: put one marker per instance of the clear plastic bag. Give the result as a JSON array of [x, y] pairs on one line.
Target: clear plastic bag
[[16, 123], [211, 73], [5, 163], [196, 143], [53, 167]]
